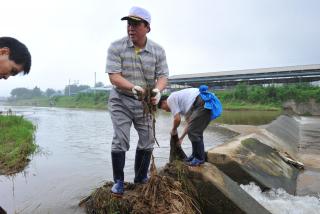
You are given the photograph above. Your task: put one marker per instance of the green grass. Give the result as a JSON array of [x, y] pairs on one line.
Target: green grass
[[36, 101], [16, 143], [82, 100], [237, 105]]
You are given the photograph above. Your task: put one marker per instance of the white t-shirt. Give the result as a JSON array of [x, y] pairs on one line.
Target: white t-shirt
[[181, 101]]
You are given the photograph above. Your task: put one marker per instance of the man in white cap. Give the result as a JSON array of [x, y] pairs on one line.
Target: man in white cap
[[134, 64]]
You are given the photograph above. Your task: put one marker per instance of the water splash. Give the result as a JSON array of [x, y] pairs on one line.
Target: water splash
[[278, 201]]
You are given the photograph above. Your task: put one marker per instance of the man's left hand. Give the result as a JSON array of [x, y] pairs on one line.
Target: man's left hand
[[156, 95]]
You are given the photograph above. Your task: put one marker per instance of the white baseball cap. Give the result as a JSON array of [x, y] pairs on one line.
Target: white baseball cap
[[138, 14]]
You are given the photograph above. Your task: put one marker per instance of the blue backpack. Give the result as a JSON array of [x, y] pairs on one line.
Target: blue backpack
[[211, 102]]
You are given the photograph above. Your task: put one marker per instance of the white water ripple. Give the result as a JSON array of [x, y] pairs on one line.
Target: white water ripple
[[278, 201]]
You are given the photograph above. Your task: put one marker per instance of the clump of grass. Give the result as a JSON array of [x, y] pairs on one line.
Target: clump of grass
[[16, 143], [162, 194]]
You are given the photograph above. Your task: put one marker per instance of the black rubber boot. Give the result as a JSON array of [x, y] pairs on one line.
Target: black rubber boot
[[141, 166], [118, 162]]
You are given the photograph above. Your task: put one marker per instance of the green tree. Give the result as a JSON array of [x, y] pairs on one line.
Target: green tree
[[241, 92], [74, 89], [21, 93], [36, 92], [256, 94], [50, 92], [99, 84]]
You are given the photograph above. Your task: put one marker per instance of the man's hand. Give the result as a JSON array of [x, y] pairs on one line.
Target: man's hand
[[138, 92], [180, 141], [156, 95]]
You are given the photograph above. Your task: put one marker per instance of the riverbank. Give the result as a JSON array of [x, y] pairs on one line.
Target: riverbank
[[89, 102], [16, 143], [83, 101]]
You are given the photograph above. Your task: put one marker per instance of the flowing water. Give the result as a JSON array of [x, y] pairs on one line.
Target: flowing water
[[74, 159], [277, 201]]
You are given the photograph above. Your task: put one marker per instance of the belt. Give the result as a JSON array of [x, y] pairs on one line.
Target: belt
[[127, 95], [124, 94]]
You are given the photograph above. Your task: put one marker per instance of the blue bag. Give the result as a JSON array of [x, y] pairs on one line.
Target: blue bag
[[211, 102]]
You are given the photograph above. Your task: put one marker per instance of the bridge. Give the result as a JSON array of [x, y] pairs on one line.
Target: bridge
[[289, 74]]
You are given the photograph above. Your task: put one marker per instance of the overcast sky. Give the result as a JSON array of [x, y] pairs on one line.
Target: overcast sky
[[68, 39]]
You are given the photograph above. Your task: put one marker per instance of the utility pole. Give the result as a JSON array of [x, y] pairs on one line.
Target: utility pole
[[69, 87], [95, 83]]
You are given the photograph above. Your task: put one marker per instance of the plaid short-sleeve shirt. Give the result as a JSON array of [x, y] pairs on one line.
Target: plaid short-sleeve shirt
[[141, 68]]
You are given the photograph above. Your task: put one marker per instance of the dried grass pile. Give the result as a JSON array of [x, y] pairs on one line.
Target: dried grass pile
[[162, 194]]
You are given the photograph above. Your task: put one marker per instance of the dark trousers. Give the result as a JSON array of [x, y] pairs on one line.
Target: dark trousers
[[198, 121]]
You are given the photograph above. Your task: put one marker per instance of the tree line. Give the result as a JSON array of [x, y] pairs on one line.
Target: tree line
[[25, 93], [277, 94]]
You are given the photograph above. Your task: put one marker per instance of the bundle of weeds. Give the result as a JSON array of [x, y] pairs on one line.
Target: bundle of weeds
[[163, 194], [149, 110], [102, 201], [179, 171]]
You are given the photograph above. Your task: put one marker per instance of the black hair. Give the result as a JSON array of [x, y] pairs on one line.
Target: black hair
[[146, 23], [163, 98], [19, 53]]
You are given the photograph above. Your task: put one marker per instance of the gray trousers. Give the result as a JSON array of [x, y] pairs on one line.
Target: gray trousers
[[198, 121], [125, 111]]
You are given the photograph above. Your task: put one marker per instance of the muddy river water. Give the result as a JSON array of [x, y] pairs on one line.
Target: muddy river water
[[74, 158]]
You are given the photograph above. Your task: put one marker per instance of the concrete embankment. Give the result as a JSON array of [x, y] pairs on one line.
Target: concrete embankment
[[260, 154], [248, 160], [307, 108], [215, 191]]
